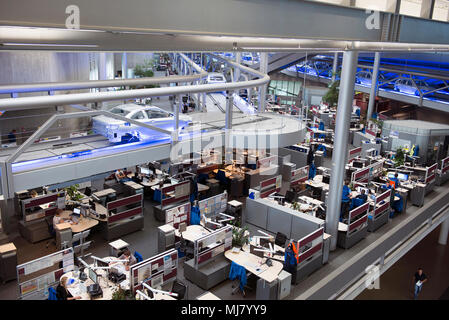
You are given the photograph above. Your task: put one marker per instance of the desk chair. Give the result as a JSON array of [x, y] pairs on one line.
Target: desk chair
[[181, 289], [88, 191], [239, 274], [138, 256], [182, 227], [52, 295], [51, 231]]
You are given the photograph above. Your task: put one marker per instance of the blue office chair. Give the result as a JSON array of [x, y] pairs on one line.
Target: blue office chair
[[357, 112], [138, 256], [416, 153], [322, 148], [398, 205], [356, 202], [52, 294], [238, 272], [312, 171], [202, 177], [195, 216], [221, 176]]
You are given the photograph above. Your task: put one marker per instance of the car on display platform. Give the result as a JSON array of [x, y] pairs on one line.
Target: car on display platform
[[364, 78], [215, 77], [121, 131], [405, 85]]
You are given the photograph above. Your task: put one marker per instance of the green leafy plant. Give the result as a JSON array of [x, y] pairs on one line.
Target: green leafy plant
[[144, 70], [295, 205], [73, 192], [331, 96], [399, 157], [240, 236], [119, 294]]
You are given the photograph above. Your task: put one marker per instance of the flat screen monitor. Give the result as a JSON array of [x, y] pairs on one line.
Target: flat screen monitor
[[401, 176], [92, 275], [359, 190], [357, 164], [145, 171], [101, 263], [76, 211]]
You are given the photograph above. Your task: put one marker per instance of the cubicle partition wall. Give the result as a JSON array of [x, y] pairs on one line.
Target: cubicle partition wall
[[310, 249], [380, 212], [299, 176], [212, 206], [33, 226], [270, 186], [179, 192], [171, 196], [155, 271], [177, 215], [443, 174], [274, 218], [357, 227], [267, 162], [361, 175], [210, 246], [207, 249], [36, 276], [354, 153], [125, 215], [431, 177]]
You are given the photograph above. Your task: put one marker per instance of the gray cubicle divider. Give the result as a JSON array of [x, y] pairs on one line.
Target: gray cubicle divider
[[212, 206], [310, 248], [299, 175], [431, 177], [354, 153], [297, 157], [381, 212], [357, 227], [199, 270], [276, 218], [269, 186], [155, 271], [32, 283], [443, 174], [125, 221]]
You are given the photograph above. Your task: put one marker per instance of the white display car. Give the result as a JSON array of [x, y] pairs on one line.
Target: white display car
[[215, 77], [406, 85], [365, 78], [121, 131]]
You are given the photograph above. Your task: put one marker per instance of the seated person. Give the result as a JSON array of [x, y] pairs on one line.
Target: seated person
[[61, 291], [128, 256], [57, 219], [120, 176], [362, 196], [345, 200], [394, 181]]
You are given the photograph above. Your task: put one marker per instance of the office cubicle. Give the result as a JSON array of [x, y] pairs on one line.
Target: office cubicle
[[380, 212], [36, 276], [356, 229], [156, 271], [443, 172], [172, 195]]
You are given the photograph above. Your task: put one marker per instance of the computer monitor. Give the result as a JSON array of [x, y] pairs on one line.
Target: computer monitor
[[357, 164], [77, 212], [359, 190], [403, 176], [145, 171], [290, 196], [93, 275], [101, 263], [326, 179], [88, 191]]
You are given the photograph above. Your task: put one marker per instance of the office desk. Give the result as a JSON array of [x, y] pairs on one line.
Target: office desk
[[84, 223], [255, 265], [107, 286], [202, 188], [100, 209], [133, 185], [150, 183], [192, 233], [207, 296], [103, 193]]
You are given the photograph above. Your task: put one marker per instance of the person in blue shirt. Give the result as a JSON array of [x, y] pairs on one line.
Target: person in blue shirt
[[395, 180], [362, 195], [345, 200]]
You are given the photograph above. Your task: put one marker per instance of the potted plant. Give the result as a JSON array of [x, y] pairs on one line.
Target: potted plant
[[73, 194], [399, 157], [119, 294], [240, 236]]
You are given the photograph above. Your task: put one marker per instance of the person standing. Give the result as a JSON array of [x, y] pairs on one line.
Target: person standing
[[418, 280], [310, 156], [345, 200]]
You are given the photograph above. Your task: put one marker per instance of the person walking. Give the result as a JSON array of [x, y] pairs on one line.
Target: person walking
[[418, 280]]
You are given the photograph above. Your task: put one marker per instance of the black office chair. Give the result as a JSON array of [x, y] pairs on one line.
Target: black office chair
[[280, 239], [88, 191], [181, 289], [51, 231]]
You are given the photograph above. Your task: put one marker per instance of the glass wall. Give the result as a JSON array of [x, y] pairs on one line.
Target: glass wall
[[284, 87]]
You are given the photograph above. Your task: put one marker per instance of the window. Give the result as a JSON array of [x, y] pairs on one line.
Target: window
[[138, 116], [154, 114], [119, 111]]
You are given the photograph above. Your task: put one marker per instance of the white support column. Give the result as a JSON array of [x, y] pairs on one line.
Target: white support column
[[238, 59], [124, 65], [427, 9], [342, 123], [177, 107], [203, 106], [229, 109], [374, 86], [334, 66], [263, 89], [444, 231]]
